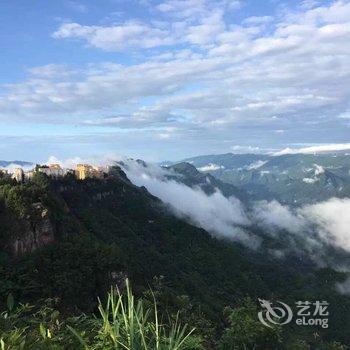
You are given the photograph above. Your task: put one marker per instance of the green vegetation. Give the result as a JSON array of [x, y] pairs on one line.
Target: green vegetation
[[244, 330], [109, 230], [122, 323]]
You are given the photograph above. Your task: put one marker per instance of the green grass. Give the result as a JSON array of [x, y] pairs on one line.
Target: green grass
[[123, 323]]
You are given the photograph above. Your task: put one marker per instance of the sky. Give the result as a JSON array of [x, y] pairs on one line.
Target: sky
[[170, 79]]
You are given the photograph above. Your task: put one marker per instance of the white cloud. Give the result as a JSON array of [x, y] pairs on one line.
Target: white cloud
[[190, 9], [329, 220], [292, 73], [71, 163], [12, 166], [325, 222], [163, 136], [309, 180], [245, 149], [258, 20], [332, 219], [211, 167], [116, 37], [51, 71], [273, 214], [318, 169], [183, 8], [215, 213], [344, 287], [309, 4], [315, 149], [208, 29], [255, 165]]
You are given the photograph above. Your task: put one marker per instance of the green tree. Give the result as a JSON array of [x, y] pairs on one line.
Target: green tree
[[246, 332]]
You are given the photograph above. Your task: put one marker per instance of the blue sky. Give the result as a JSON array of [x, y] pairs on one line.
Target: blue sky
[[170, 79]]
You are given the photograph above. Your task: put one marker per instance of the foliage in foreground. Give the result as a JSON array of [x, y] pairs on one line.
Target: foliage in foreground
[[126, 234], [126, 323], [123, 323], [244, 330]]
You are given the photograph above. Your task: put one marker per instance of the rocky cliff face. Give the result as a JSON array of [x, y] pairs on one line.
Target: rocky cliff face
[[36, 232]]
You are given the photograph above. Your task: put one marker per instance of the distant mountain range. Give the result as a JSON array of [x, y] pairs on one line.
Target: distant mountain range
[[292, 178], [192, 177], [70, 240], [5, 163]]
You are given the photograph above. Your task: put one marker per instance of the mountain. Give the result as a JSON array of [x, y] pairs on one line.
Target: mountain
[[20, 163], [71, 239], [191, 177], [188, 175], [292, 179], [221, 161]]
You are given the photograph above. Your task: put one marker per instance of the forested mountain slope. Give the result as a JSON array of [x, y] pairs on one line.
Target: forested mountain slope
[[72, 239]]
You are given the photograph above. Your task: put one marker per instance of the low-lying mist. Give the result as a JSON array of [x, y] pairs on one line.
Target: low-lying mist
[[215, 213], [230, 218], [309, 229]]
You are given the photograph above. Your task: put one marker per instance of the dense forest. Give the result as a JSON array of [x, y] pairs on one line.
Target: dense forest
[[102, 264]]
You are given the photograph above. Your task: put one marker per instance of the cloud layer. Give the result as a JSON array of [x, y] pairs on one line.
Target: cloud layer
[[215, 213], [193, 73], [332, 219], [310, 229], [312, 226], [315, 149]]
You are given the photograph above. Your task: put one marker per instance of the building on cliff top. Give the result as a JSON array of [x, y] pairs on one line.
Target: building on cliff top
[[3, 173], [53, 170], [18, 175], [84, 171]]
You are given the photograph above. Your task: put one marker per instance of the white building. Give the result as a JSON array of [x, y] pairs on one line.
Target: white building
[[18, 175], [53, 170], [29, 174], [3, 171]]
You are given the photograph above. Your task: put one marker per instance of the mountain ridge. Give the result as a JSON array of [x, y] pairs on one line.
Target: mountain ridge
[[293, 179], [105, 229], [5, 163]]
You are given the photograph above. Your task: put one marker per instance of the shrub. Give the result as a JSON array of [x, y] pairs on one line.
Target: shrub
[[123, 323]]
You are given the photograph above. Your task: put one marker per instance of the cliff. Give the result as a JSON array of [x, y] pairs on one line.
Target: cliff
[[36, 232], [74, 239]]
